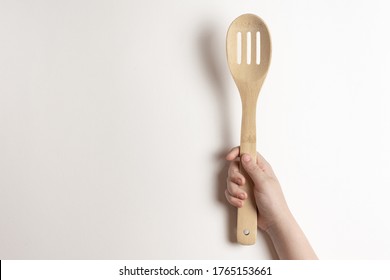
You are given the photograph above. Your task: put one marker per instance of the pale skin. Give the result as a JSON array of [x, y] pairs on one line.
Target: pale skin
[[274, 216]]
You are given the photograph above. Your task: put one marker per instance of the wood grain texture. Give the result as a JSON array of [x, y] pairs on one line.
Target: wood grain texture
[[249, 77]]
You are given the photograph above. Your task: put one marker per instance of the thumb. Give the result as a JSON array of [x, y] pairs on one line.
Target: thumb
[[251, 167]]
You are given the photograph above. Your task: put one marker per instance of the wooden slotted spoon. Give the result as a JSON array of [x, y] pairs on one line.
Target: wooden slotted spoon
[[248, 47]]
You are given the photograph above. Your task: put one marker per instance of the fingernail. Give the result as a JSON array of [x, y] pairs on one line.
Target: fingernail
[[242, 196], [246, 158]]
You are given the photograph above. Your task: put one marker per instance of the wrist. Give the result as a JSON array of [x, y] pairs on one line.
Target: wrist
[[282, 222], [289, 240]]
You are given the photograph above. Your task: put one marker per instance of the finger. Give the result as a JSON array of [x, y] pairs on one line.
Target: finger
[[234, 167], [233, 200], [233, 153], [234, 190], [252, 168], [261, 162], [238, 179], [264, 165], [234, 174]]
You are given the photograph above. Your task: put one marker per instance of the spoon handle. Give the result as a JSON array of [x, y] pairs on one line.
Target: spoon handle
[[247, 215]]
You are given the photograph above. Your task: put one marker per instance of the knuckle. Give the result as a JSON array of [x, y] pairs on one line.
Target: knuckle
[[228, 196], [229, 188], [252, 168]]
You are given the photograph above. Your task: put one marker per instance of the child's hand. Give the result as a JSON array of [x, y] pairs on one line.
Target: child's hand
[[271, 205], [274, 217]]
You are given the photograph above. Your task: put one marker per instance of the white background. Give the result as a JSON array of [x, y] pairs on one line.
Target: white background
[[234, 269], [115, 117]]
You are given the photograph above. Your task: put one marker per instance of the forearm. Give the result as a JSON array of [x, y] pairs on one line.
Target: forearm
[[289, 240]]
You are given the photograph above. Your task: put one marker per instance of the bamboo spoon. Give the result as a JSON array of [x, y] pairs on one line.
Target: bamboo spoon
[[248, 47]]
